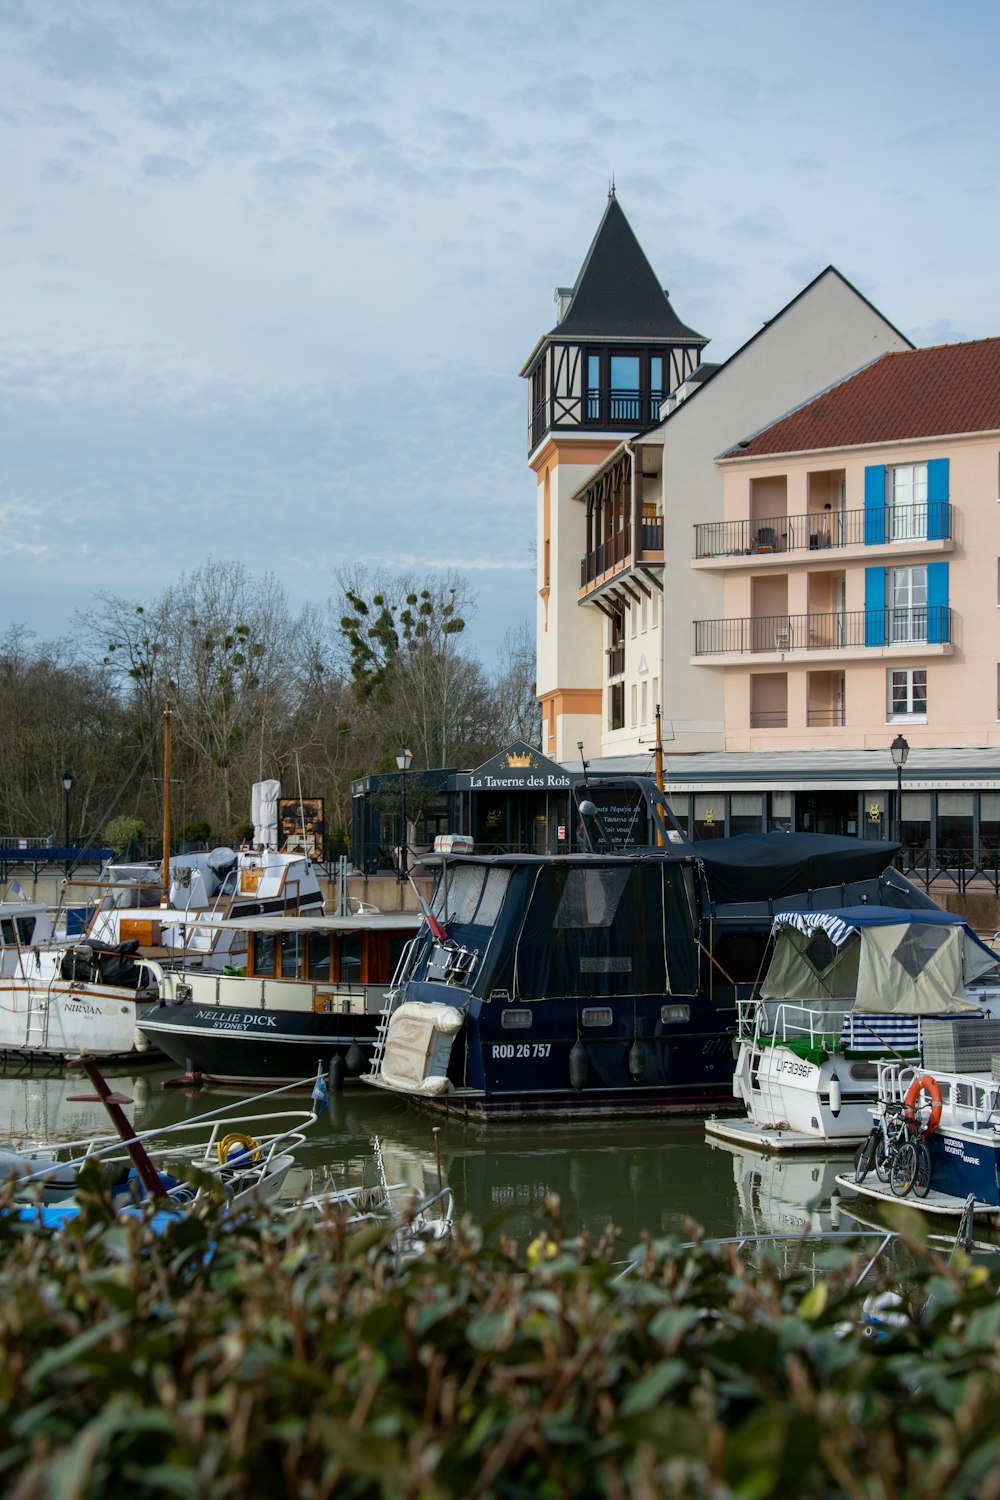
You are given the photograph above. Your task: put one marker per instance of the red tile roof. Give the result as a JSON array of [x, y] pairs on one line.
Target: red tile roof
[[914, 393]]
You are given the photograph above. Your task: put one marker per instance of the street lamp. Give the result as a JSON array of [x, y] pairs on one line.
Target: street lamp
[[403, 759], [899, 750], [67, 785]]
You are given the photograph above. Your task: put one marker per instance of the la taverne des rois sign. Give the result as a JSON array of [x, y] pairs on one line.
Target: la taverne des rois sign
[[518, 767]]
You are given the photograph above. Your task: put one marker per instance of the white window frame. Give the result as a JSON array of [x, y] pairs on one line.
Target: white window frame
[[907, 596], [905, 678], [908, 502]]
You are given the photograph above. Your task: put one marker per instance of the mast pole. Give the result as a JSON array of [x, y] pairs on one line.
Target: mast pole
[[165, 875], [659, 765]]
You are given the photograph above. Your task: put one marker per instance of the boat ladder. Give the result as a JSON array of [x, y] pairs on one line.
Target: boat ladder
[[378, 1051], [36, 1019]]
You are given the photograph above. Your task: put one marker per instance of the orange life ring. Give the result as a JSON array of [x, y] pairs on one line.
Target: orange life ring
[[923, 1083]]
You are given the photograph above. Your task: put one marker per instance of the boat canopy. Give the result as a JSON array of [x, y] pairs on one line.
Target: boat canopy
[[880, 960], [752, 866]]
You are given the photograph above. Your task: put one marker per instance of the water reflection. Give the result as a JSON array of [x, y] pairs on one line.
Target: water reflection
[[652, 1175]]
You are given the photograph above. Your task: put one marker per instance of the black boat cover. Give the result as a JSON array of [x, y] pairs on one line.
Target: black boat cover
[[768, 866]]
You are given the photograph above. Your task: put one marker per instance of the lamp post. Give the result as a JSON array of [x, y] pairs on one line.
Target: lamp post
[[403, 759], [67, 785], [899, 750]]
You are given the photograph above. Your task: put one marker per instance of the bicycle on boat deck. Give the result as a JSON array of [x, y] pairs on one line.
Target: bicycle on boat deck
[[897, 1149]]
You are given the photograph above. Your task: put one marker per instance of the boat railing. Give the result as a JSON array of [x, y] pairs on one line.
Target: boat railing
[[974, 1101], [781, 1022]]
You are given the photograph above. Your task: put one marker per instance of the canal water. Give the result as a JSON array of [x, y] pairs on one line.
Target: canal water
[[660, 1176]]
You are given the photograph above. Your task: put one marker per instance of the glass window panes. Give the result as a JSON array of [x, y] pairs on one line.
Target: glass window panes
[[746, 812], [291, 959], [493, 893], [590, 898], [350, 958], [675, 1015], [596, 1015], [263, 953], [319, 956], [909, 501], [908, 691], [515, 1018]]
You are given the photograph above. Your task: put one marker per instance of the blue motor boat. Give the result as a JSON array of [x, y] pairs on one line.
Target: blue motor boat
[[603, 983]]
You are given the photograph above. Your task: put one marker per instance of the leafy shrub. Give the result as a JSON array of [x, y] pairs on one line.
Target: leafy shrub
[[124, 834], [283, 1357], [196, 833]]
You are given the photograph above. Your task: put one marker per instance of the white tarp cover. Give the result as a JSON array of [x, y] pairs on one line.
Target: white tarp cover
[[913, 971], [418, 1046], [264, 812], [908, 968]]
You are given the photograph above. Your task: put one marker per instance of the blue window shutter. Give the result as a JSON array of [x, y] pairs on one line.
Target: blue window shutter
[[874, 504], [937, 602], [937, 499], [874, 606]]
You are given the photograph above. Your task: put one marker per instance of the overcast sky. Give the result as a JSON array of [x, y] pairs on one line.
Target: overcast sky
[[270, 270]]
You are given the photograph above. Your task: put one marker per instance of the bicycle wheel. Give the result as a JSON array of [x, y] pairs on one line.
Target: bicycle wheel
[[904, 1169], [922, 1177], [883, 1159], [864, 1158]]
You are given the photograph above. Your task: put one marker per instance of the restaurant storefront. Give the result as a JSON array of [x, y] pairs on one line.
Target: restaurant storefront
[[943, 807]]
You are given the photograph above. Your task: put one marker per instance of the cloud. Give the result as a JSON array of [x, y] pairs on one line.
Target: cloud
[[169, 168], [211, 101], [762, 224], [89, 51]]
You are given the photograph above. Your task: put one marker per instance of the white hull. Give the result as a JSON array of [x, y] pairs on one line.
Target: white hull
[[58, 1019], [787, 1096]]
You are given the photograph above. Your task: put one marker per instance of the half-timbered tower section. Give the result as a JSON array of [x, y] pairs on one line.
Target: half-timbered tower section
[[616, 356]]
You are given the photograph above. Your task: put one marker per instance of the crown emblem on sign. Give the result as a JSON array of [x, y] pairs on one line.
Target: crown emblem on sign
[[519, 762]]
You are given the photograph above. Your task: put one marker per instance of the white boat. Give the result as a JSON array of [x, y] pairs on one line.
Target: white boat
[[204, 890], [238, 1154], [23, 925], [843, 991], [58, 1001]]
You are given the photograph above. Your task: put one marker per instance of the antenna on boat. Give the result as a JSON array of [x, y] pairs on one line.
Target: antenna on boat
[[165, 873]]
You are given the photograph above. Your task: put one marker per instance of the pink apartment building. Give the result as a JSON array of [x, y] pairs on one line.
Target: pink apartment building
[[796, 581]]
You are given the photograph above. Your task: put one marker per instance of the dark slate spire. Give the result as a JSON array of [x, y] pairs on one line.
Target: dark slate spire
[[617, 294]]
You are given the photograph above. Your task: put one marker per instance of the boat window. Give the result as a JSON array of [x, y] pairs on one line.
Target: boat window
[[981, 1099], [963, 1093], [350, 958], [591, 897], [945, 1092], [7, 929], [465, 885], [291, 956], [517, 1018], [492, 898], [863, 1072], [674, 1015], [319, 956], [263, 953], [594, 1015], [25, 928], [238, 945]]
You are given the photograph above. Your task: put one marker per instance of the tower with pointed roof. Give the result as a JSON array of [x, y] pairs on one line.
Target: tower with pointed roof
[[616, 354]]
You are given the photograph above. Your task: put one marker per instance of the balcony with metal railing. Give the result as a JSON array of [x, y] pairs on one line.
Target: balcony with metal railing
[[825, 634], [818, 531]]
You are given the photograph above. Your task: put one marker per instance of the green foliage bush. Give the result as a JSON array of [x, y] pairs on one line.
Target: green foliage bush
[[123, 834], [295, 1358]]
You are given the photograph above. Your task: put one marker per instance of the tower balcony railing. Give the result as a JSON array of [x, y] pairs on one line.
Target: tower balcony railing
[[617, 549], [929, 520], [929, 624]]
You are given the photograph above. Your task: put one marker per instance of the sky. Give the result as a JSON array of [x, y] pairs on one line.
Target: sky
[[270, 269]]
